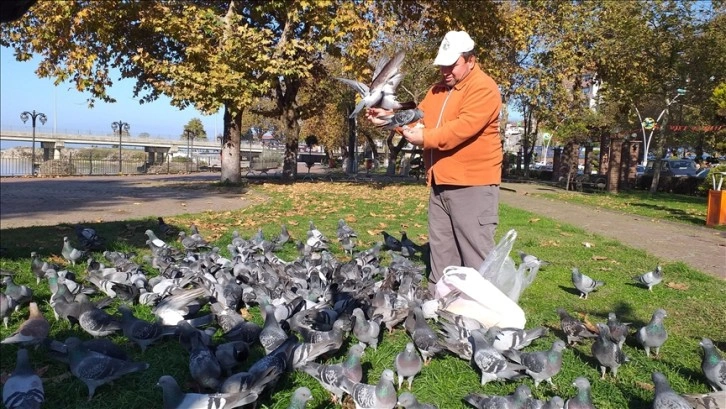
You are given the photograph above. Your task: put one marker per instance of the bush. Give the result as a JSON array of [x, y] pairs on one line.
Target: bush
[[56, 168], [707, 182]]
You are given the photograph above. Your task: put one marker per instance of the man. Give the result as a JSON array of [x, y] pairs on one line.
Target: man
[[463, 157]]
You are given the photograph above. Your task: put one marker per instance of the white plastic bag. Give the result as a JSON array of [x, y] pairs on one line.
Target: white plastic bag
[[500, 270], [480, 299]]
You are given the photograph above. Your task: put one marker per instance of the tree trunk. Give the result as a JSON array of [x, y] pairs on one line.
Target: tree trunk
[[352, 165], [616, 150], [393, 152], [604, 153], [659, 152], [230, 155]]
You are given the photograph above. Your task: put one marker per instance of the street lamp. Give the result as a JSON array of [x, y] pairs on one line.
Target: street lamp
[[190, 135], [34, 115], [650, 124], [120, 127]]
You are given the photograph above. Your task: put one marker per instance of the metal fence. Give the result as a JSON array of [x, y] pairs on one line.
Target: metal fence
[[88, 166]]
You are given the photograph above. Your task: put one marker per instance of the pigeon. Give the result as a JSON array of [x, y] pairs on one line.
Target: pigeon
[[382, 91], [665, 398], [231, 354], [713, 366], [607, 352], [409, 401], [141, 332], [345, 230], [95, 369], [713, 400], [31, 332], [574, 329], [531, 262], [272, 335], [517, 400], [98, 322], [331, 376], [408, 364], [618, 330], [88, 238], [166, 229], [400, 118], [283, 237], [38, 266], [7, 306], [300, 398], [651, 278], [366, 331], [424, 338], [379, 396], [584, 283], [24, 388], [540, 365], [203, 365], [71, 253], [554, 403], [390, 242], [654, 334], [20, 294], [493, 365], [582, 400], [174, 398], [514, 338]]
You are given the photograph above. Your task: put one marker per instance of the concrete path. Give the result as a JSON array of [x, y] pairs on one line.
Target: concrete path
[[699, 247]]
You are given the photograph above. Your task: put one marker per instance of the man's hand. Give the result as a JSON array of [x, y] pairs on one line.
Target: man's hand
[[414, 135], [374, 115]]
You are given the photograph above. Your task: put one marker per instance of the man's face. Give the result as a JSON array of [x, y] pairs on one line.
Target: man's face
[[453, 74]]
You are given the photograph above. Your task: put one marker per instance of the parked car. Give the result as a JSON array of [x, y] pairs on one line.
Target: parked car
[[674, 167], [639, 170]]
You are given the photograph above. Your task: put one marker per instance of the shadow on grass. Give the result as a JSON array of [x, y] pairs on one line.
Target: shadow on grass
[[47, 241], [672, 212]]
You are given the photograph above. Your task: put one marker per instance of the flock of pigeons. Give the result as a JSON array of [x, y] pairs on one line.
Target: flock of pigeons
[[311, 305]]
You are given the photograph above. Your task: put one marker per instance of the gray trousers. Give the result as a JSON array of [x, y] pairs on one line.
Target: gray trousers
[[462, 221]]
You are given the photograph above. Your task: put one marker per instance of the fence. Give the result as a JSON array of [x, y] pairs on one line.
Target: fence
[[88, 166]]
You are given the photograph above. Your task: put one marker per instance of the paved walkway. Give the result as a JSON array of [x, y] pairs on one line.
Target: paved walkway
[[699, 247]]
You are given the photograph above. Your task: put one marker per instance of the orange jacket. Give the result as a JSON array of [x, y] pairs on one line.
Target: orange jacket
[[465, 148]]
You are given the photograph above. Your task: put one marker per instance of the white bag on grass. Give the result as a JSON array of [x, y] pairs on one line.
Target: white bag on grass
[[480, 299]]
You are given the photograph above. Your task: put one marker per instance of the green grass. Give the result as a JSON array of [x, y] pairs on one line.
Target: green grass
[[694, 312], [659, 206]]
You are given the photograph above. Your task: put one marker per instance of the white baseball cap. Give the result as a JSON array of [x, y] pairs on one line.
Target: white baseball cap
[[452, 46]]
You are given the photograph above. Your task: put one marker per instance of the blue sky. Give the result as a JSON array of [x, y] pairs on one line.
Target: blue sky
[[68, 112]]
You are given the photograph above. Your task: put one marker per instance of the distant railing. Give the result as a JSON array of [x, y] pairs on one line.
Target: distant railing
[[88, 166]]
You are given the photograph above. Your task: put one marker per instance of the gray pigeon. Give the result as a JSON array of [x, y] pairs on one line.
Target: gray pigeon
[[203, 365], [7, 306], [409, 401], [331, 376], [141, 332], [98, 322], [401, 118], [651, 278], [492, 364], [574, 329], [366, 331], [713, 366], [231, 354], [31, 332], [555, 403], [20, 294], [95, 369], [713, 400], [584, 283], [541, 365], [607, 352], [300, 398], [174, 398], [531, 262], [379, 396], [665, 398], [24, 388], [424, 338], [408, 364], [582, 400], [514, 338], [517, 400], [272, 335], [71, 253], [618, 330], [654, 334], [382, 91]]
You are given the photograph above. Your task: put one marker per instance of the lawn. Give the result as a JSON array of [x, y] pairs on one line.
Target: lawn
[[661, 206], [694, 301]]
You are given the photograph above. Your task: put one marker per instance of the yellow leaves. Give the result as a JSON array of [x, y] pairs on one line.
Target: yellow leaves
[[534, 220], [677, 286]]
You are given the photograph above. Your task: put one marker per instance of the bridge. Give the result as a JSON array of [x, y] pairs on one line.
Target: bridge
[[156, 148]]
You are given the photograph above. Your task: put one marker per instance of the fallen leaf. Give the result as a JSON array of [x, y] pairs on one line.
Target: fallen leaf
[[137, 203], [382, 225], [534, 220], [245, 314], [565, 234], [644, 385], [587, 244], [373, 232], [677, 286], [599, 258]]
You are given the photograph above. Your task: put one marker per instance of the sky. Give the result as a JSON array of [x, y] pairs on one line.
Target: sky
[[68, 112]]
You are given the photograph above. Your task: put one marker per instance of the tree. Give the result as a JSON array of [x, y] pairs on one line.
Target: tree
[[310, 141], [144, 135], [194, 127]]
